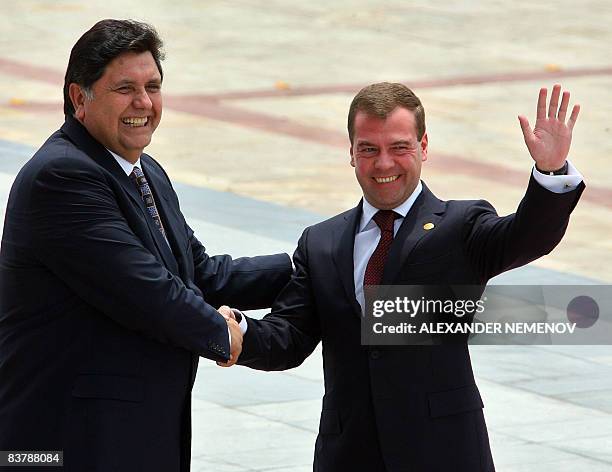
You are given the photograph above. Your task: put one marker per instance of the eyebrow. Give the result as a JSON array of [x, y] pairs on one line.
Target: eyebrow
[[122, 82], [409, 143], [365, 143]]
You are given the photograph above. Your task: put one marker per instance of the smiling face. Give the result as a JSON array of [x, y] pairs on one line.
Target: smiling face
[[387, 157], [126, 106]]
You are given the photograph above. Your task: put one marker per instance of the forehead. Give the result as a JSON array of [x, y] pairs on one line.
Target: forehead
[[400, 123], [133, 66]]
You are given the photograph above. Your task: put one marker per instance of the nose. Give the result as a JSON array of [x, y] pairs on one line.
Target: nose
[[142, 100], [384, 161]]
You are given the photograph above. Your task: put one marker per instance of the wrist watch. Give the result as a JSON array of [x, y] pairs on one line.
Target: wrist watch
[[561, 171]]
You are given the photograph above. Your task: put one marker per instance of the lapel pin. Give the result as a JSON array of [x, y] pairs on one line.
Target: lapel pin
[[428, 226]]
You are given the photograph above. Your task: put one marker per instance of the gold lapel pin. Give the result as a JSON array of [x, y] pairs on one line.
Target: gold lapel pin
[[428, 226]]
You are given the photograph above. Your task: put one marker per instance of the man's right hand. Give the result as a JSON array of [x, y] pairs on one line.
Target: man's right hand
[[236, 335]]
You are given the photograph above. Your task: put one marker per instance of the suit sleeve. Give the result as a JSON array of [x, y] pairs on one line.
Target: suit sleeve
[[495, 244], [289, 334], [81, 236], [246, 283]]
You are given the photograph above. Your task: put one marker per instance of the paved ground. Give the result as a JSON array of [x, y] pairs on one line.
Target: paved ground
[[254, 132]]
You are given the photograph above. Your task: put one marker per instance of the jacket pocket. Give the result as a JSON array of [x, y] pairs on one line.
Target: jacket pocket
[[110, 387], [455, 401], [330, 422]]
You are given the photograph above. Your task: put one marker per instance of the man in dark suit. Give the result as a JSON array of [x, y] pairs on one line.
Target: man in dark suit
[[407, 408], [106, 295]]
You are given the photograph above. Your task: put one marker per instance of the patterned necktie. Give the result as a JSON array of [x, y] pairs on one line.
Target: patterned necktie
[[374, 270], [140, 180]]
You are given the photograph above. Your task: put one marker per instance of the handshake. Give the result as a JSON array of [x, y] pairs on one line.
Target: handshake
[[235, 335]]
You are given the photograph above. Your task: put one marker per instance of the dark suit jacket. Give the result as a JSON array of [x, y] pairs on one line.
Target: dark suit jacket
[[400, 408], [101, 323]]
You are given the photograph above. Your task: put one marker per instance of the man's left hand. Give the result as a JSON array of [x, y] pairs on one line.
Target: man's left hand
[[549, 142]]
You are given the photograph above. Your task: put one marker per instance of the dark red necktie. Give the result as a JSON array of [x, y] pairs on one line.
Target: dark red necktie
[[374, 270]]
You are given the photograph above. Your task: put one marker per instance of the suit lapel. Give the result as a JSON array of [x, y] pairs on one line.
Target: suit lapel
[[427, 208], [342, 254], [84, 141]]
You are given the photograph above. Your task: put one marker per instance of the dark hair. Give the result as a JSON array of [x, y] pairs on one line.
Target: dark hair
[[381, 99], [105, 41]]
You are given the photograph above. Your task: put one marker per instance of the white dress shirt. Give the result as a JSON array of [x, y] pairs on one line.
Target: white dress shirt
[[127, 166]]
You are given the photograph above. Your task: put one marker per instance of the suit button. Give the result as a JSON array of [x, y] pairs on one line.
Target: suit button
[[375, 354]]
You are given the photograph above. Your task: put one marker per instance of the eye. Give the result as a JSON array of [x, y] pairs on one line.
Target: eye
[[154, 87], [402, 148], [124, 89]]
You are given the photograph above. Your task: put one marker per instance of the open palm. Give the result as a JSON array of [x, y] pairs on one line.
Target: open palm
[[549, 142]]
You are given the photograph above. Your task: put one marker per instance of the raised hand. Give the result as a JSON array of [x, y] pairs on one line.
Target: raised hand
[[236, 334], [549, 142]]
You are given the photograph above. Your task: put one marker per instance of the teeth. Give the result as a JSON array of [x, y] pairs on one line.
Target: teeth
[[134, 122], [385, 180]]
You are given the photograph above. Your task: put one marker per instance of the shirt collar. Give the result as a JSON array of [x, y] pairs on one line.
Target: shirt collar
[[369, 210], [127, 166]]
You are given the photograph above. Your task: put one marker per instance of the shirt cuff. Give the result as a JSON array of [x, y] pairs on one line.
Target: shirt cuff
[[559, 183], [243, 325]]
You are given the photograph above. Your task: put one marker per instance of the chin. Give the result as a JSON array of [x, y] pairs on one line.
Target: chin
[[140, 145]]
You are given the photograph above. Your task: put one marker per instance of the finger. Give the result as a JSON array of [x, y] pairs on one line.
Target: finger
[[554, 101], [527, 132], [226, 312], [573, 117], [229, 363], [563, 107], [541, 111]]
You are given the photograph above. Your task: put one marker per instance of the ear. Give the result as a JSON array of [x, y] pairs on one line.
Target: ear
[[78, 100], [352, 157], [424, 147]]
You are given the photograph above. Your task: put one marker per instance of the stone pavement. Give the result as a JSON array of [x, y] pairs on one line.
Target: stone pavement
[[256, 95]]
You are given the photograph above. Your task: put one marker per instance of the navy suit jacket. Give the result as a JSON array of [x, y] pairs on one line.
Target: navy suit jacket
[[400, 408], [101, 321]]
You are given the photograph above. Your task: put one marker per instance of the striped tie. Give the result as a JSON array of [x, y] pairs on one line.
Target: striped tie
[[140, 180]]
